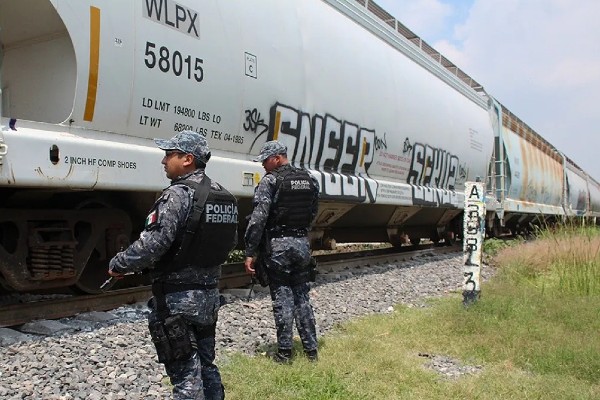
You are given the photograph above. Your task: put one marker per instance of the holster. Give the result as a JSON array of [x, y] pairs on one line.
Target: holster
[[171, 334], [260, 270], [260, 264], [173, 339], [312, 270]]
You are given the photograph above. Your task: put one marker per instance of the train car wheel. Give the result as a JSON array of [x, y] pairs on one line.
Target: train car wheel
[[414, 240], [450, 238], [329, 243]]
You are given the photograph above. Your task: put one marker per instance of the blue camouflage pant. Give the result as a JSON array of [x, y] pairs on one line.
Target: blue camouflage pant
[[198, 378], [292, 303], [288, 259]]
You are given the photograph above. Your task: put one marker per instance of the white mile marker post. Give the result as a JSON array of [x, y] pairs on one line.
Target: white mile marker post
[[474, 232]]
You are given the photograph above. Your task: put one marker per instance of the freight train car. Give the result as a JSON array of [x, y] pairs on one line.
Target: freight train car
[[531, 182], [528, 175], [390, 128]]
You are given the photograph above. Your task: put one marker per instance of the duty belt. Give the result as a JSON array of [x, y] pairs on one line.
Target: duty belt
[[291, 232], [160, 289]]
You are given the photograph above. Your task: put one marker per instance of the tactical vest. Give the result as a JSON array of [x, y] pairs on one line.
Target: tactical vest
[[210, 232], [296, 191]]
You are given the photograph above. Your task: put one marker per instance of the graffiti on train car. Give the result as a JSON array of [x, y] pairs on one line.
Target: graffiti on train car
[[429, 196], [340, 153], [432, 167], [255, 123], [343, 151], [381, 143], [433, 174]]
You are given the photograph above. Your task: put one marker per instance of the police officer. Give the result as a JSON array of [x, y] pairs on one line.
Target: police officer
[[186, 291], [285, 203]]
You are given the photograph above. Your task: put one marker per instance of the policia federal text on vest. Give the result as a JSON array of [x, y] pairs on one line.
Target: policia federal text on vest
[[290, 215], [211, 229]]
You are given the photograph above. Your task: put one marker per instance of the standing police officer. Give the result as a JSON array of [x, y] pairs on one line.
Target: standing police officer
[[186, 297], [285, 203]]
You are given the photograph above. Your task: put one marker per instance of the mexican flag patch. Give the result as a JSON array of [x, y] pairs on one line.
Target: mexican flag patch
[[152, 218]]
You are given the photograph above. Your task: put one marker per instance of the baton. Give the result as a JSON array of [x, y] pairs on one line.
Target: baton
[[110, 279], [251, 288]]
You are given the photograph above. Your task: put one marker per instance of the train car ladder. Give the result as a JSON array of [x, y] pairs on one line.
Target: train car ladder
[[499, 165]]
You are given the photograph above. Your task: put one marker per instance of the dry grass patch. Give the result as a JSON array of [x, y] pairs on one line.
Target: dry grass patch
[[570, 261]]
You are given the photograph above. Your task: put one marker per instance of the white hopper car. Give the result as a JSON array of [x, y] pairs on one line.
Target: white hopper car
[[390, 128]]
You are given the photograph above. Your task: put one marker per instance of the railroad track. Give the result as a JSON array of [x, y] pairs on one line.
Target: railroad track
[[233, 276]]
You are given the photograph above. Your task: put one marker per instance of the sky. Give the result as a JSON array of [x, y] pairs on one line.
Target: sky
[[539, 58]]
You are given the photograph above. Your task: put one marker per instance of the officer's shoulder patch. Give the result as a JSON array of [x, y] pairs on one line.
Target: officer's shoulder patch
[[152, 220]]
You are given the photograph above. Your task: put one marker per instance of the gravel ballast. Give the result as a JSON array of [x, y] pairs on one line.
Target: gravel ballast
[[110, 355]]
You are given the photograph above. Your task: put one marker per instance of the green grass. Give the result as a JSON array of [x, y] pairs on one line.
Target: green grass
[[535, 331]]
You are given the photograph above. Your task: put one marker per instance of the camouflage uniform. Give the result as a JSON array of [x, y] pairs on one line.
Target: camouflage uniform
[[289, 256], [197, 377]]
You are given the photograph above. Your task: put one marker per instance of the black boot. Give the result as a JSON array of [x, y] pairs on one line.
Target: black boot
[[283, 356], [312, 355]]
